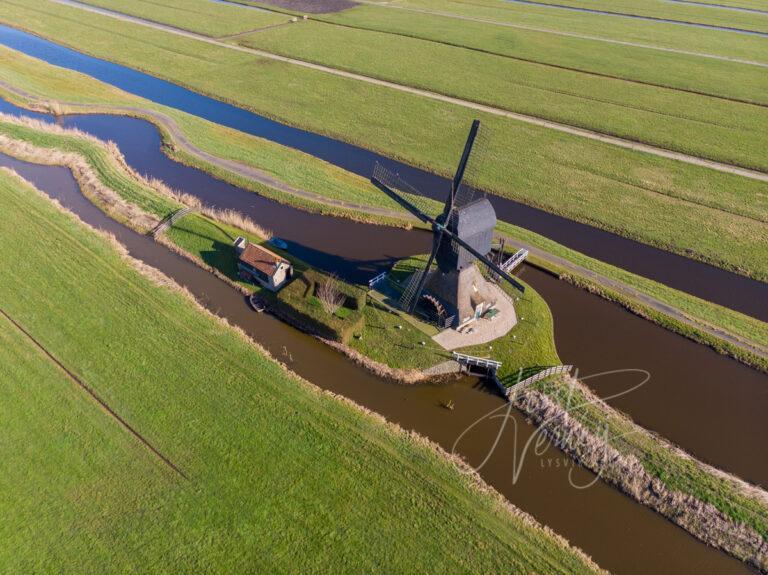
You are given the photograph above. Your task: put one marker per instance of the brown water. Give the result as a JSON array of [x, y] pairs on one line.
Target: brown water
[[620, 534]]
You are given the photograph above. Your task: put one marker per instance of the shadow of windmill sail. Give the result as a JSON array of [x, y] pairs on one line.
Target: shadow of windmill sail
[[451, 289]]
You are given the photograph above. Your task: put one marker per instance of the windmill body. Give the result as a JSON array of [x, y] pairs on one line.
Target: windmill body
[[454, 288], [457, 282]]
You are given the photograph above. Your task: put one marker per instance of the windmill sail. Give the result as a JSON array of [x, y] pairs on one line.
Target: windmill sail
[[463, 232]]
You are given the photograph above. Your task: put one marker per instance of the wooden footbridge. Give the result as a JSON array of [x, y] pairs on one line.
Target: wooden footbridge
[[468, 362], [520, 385], [169, 220]]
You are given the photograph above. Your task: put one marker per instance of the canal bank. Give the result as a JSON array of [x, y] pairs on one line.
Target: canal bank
[[540, 483]]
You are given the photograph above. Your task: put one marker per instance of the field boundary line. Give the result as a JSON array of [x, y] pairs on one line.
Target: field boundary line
[[93, 395], [565, 128], [254, 31], [660, 20], [566, 34]]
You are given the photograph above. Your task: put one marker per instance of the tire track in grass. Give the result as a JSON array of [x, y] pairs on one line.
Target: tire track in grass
[[88, 390]]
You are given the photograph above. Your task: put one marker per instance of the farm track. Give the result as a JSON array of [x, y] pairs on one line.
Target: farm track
[[567, 34], [180, 141], [581, 132], [93, 395]]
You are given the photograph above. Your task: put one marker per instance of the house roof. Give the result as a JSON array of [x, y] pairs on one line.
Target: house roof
[[261, 259]]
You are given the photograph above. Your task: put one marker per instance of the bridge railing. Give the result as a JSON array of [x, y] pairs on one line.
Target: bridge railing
[[514, 260], [476, 361], [373, 281], [170, 220], [554, 370]]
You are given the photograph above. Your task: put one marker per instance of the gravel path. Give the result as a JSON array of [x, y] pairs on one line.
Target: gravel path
[[181, 142], [589, 134]]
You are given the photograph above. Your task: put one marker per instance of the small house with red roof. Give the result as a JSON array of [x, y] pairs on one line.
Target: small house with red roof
[[261, 266]]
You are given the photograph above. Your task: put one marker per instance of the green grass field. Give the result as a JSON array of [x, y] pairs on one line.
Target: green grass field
[[675, 11], [285, 163], [663, 35], [637, 195], [680, 71], [707, 127], [692, 123], [280, 476], [201, 16]]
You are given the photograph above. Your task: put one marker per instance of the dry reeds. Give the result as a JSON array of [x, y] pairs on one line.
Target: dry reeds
[[237, 220], [90, 184], [703, 520]]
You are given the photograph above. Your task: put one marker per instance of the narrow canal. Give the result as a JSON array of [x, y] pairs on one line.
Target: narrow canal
[[708, 282], [689, 383], [621, 535]]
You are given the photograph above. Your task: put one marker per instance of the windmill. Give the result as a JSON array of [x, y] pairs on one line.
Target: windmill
[[462, 236]]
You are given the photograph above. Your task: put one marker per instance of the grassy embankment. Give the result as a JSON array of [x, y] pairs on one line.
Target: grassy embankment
[[218, 408], [303, 171], [636, 195], [719, 509]]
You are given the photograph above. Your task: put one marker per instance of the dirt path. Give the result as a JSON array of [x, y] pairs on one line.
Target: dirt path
[[102, 404], [180, 141], [584, 133]]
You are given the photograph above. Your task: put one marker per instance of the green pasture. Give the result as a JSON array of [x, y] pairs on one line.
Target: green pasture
[[708, 127], [280, 476], [674, 11], [591, 56], [202, 16]]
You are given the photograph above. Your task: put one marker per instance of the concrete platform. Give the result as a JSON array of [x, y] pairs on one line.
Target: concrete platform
[[483, 330]]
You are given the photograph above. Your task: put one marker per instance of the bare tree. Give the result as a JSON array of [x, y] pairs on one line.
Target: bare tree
[[330, 295]]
